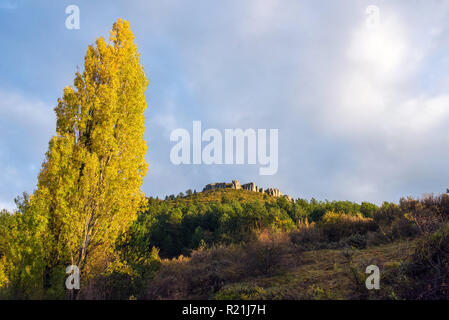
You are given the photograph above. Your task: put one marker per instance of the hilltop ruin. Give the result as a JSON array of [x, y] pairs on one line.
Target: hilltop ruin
[[235, 184]]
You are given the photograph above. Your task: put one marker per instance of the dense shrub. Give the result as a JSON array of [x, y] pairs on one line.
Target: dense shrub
[[203, 274], [393, 223], [197, 277], [338, 226], [376, 239], [424, 274], [336, 230], [427, 214], [114, 286], [357, 240], [428, 268], [264, 256], [307, 236]]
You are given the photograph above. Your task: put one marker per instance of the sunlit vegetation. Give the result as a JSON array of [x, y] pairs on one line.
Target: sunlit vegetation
[[88, 210]]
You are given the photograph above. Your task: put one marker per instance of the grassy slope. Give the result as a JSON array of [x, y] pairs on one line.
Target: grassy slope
[[329, 274], [320, 274]]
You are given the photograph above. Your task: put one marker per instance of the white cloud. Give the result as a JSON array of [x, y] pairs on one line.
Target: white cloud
[[361, 113], [260, 16], [27, 125], [423, 114], [374, 93], [25, 111], [382, 52]]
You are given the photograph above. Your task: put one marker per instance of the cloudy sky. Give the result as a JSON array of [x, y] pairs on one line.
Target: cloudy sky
[[362, 111]]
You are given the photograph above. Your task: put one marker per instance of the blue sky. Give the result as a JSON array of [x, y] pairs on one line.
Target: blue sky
[[362, 114]]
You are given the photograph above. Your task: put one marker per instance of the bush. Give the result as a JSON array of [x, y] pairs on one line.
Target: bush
[[428, 214], [307, 236], [208, 270], [403, 228], [357, 240], [338, 226], [392, 222], [264, 256], [336, 230], [199, 276], [114, 286], [428, 269], [376, 239]]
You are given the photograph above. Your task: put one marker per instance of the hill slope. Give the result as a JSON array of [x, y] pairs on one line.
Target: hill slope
[[238, 244], [228, 194], [325, 274]]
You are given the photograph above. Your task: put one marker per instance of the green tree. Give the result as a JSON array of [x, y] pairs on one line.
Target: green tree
[[368, 209], [23, 251]]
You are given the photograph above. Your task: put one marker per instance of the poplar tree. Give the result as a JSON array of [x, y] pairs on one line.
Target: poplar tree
[[89, 184]]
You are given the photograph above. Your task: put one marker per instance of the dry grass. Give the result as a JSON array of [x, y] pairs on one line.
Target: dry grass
[[327, 274], [273, 268]]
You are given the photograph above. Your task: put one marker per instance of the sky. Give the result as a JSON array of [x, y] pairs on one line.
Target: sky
[[362, 110]]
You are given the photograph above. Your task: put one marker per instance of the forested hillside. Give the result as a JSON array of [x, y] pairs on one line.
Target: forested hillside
[[225, 216], [234, 244], [238, 244]]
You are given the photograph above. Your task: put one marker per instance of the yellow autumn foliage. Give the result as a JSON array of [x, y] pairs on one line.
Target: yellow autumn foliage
[[89, 185]]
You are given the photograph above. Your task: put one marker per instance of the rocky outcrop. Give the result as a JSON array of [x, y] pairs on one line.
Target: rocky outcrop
[[235, 184], [217, 185], [273, 192], [250, 187]]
